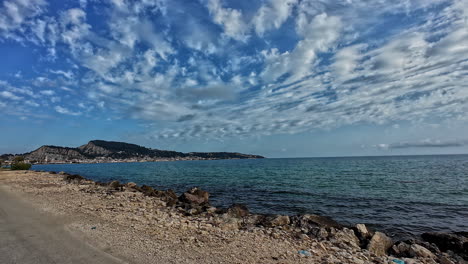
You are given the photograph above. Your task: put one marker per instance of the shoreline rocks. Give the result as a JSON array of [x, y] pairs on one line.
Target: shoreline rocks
[[436, 247]]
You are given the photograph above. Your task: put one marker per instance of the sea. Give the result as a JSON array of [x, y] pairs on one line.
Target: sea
[[401, 195]]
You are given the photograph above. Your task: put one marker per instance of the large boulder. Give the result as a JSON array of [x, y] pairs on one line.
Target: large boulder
[[346, 238], [456, 242], [379, 244], [195, 196]]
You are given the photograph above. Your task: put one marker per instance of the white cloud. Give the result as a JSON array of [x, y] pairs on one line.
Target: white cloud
[[272, 15], [15, 13], [65, 111], [230, 19], [9, 95], [47, 92]]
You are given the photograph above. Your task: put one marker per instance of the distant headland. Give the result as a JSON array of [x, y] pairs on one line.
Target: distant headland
[[100, 151]]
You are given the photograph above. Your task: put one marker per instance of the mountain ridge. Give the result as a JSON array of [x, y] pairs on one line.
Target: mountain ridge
[[114, 151]]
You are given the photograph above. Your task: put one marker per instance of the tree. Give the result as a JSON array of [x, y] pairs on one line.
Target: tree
[[18, 159], [19, 164]]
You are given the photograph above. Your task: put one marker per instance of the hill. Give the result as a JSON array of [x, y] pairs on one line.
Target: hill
[[111, 151]]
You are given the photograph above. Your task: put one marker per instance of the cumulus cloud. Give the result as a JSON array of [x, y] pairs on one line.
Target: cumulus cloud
[[230, 19], [272, 15]]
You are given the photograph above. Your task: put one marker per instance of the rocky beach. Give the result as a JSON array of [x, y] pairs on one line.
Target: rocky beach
[[139, 224]]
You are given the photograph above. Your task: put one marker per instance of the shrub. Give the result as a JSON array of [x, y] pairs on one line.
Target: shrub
[[20, 166]]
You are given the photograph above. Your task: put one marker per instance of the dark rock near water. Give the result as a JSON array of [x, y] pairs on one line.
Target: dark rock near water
[[310, 221], [147, 190], [455, 242], [275, 220], [75, 178], [195, 196], [238, 210], [115, 185]]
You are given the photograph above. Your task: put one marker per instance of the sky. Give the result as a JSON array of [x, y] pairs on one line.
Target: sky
[[280, 78]]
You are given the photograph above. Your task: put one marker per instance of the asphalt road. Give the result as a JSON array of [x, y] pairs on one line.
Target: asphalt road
[[30, 236]]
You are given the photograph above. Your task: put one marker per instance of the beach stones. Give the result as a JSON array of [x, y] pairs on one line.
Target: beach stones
[[379, 244]]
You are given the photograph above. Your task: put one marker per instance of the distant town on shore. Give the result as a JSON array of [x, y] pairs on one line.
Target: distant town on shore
[[100, 151]]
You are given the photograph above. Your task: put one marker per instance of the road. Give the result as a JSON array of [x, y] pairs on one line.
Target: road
[[30, 236]]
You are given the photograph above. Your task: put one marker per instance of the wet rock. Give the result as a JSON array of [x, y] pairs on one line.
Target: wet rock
[[52, 172], [379, 244], [455, 242], [195, 196], [238, 210], [420, 251], [276, 220]]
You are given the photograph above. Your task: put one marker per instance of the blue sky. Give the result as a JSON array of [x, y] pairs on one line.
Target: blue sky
[[281, 78]]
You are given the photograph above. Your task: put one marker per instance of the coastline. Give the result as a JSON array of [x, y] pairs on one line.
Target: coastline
[[146, 225]]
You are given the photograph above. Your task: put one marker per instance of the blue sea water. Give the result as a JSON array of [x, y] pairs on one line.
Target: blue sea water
[[401, 195]]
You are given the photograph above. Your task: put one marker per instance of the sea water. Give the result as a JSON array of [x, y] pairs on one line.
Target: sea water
[[401, 195]]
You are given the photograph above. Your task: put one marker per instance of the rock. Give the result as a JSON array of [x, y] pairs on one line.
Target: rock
[[445, 260], [455, 242], [195, 196], [362, 231], [230, 224], [379, 244], [147, 190], [238, 210], [420, 251], [211, 210], [131, 185], [115, 185], [275, 220], [52, 172], [401, 249], [319, 232], [347, 237], [310, 221], [75, 178]]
